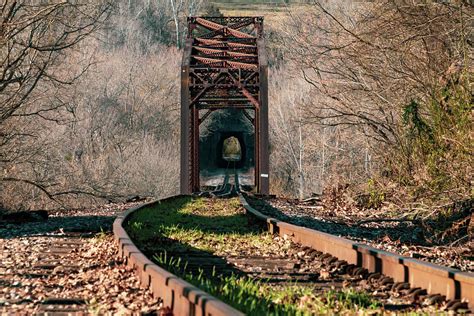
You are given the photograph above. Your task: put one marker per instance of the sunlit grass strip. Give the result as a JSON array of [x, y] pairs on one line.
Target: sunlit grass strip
[[254, 297], [220, 227]]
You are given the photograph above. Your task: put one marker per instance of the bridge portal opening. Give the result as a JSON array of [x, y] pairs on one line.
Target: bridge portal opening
[[226, 144]]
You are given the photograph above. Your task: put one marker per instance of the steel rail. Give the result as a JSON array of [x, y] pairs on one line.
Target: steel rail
[[182, 298], [179, 297], [436, 279]]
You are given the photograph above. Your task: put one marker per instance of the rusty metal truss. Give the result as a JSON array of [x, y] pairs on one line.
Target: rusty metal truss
[[224, 66]]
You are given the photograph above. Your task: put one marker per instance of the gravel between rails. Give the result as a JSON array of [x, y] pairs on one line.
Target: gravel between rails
[[85, 266]]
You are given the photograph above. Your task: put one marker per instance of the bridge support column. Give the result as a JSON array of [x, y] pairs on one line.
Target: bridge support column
[[185, 175], [263, 143]]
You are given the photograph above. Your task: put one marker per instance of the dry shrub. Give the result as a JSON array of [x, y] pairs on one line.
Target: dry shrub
[[120, 139], [307, 157], [394, 76]]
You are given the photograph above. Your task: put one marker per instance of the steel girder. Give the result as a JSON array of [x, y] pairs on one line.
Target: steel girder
[[224, 66]]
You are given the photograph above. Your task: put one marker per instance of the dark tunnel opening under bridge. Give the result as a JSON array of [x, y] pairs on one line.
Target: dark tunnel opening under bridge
[[221, 125]]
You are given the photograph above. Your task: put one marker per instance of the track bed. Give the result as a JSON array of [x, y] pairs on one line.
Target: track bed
[[212, 244], [68, 265]]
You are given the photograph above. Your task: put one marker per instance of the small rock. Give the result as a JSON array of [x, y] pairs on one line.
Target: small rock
[[417, 255]]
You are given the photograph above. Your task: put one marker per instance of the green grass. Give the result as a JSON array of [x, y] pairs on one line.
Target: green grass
[[179, 228], [257, 298], [217, 227]]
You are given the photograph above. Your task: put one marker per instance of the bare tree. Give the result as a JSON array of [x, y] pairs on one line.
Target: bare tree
[[396, 72], [35, 37], [152, 22], [369, 61], [289, 134], [176, 7], [180, 9]]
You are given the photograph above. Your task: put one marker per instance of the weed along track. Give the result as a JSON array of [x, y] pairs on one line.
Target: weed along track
[[219, 249]]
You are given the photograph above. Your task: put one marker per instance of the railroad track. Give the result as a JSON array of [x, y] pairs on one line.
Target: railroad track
[[419, 281], [58, 256], [65, 266], [53, 255], [323, 260], [230, 185]]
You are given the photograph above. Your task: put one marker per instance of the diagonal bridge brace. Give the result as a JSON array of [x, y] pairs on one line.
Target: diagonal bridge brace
[[245, 92], [218, 78], [216, 27]]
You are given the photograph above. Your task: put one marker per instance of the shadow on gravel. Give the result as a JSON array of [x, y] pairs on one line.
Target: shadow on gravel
[[403, 231], [86, 225]]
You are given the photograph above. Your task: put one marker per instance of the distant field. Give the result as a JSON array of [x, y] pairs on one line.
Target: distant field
[[253, 2], [272, 10]]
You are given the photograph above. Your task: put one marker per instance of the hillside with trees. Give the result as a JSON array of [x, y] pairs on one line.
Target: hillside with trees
[[370, 99]]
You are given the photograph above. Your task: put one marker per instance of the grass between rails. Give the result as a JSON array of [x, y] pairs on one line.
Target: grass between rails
[[174, 230]]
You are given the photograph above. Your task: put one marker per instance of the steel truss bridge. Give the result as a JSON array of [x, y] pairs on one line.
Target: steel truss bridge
[[224, 66]]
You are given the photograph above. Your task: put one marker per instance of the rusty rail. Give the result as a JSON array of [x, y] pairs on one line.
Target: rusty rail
[[179, 296], [436, 279], [182, 298]]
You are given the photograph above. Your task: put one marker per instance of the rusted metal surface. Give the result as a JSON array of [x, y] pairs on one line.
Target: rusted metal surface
[[418, 282], [224, 66], [179, 297], [450, 283]]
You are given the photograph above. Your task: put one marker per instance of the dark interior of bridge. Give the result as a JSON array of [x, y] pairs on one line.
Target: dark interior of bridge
[[219, 126]]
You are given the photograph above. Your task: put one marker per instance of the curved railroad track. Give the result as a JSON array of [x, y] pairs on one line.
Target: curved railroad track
[[316, 258], [53, 257]]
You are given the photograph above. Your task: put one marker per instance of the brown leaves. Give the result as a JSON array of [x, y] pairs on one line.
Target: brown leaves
[[393, 236], [90, 271]]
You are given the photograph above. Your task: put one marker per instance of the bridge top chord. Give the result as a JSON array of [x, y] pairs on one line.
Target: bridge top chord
[[225, 42]]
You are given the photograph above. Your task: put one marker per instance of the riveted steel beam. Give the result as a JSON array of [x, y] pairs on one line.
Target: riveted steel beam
[[224, 66]]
